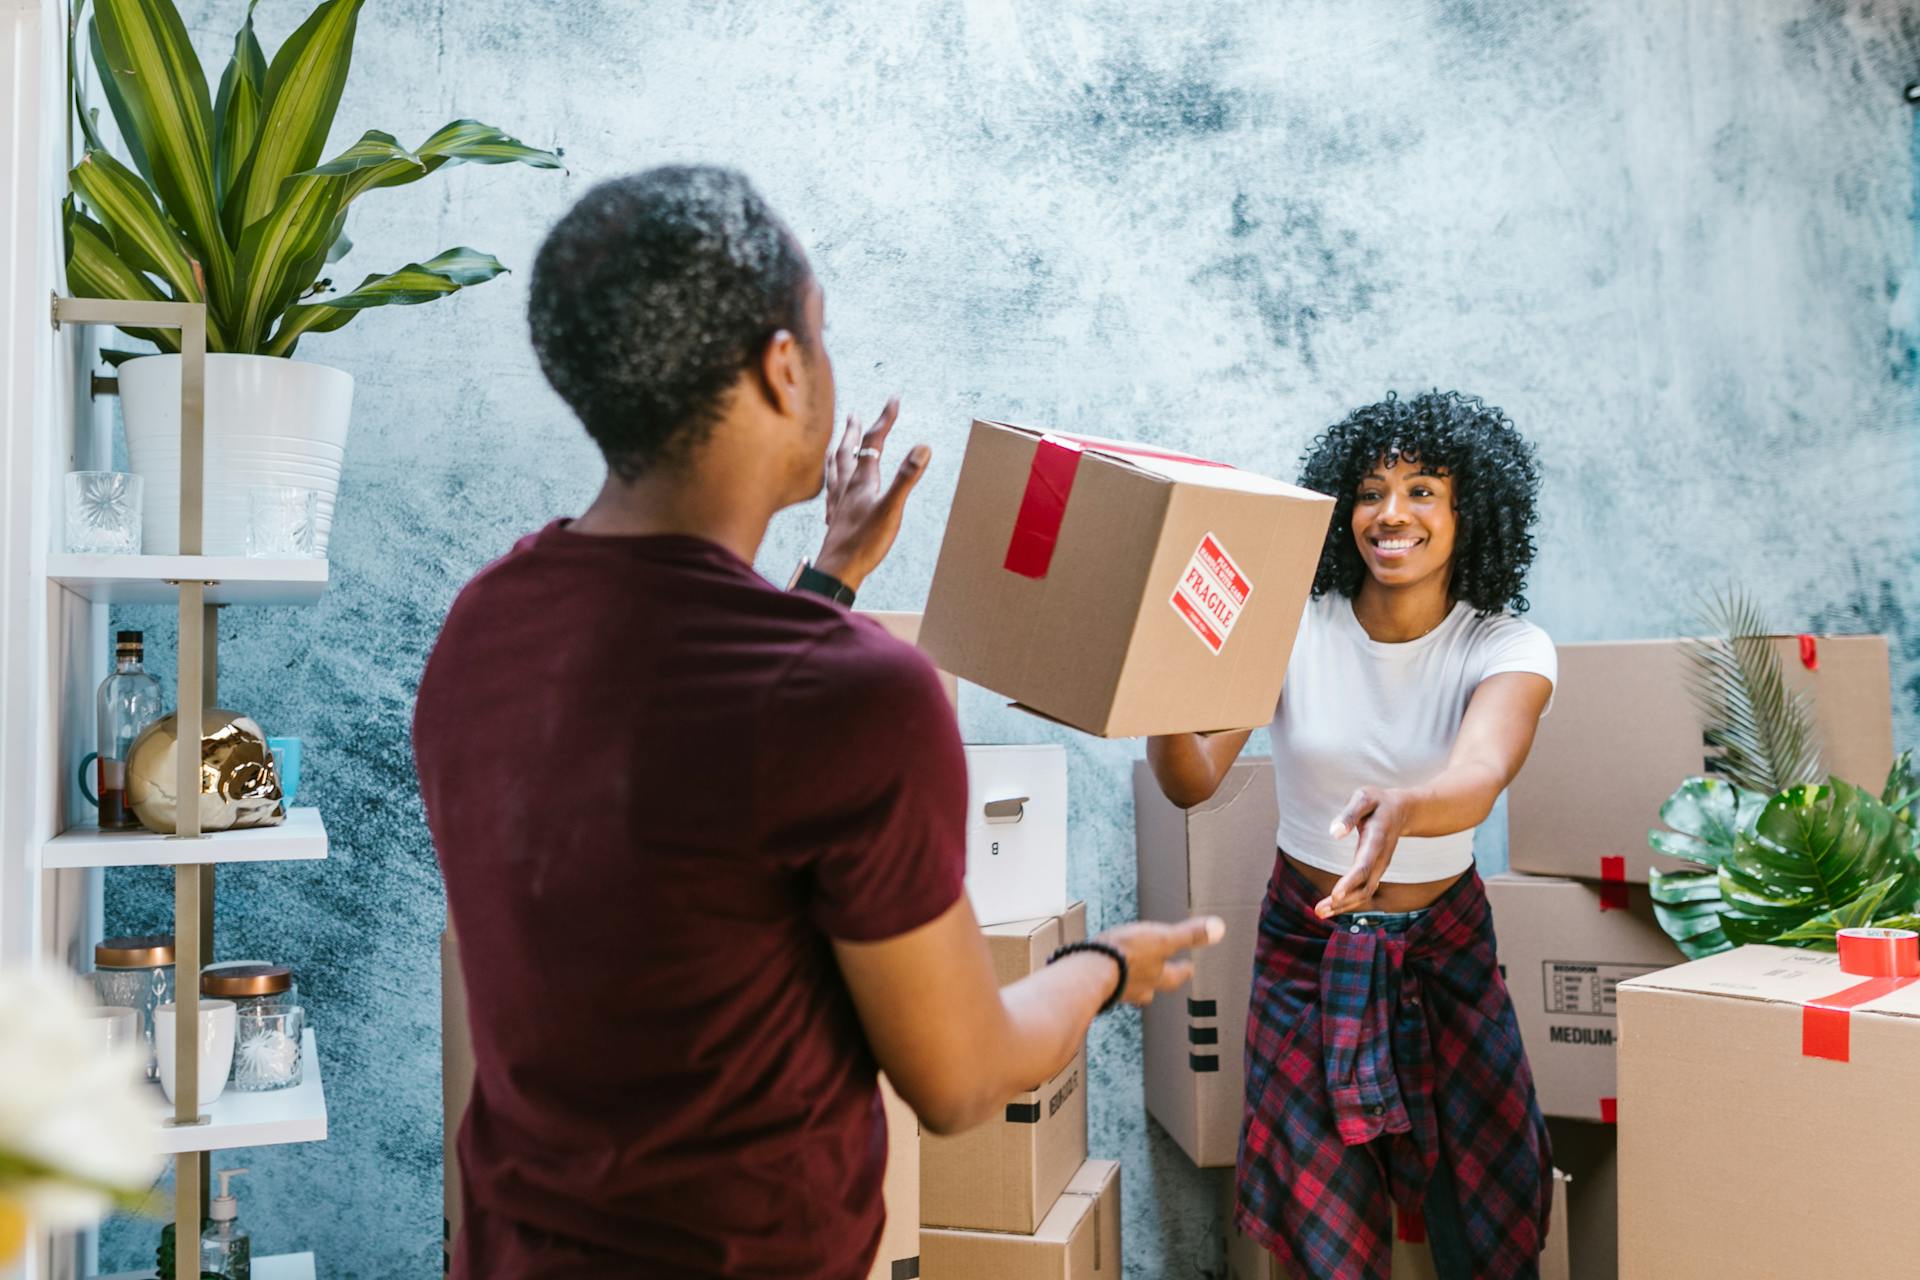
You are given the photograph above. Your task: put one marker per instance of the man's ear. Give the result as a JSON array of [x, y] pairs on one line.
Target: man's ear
[[780, 374]]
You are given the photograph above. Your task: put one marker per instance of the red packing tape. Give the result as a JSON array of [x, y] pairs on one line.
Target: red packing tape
[[1411, 1227], [1613, 884], [1880, 953], [1888, 958], [1809, 652], [1036, 529]]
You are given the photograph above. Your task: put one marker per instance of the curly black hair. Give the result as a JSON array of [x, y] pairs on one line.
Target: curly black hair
[[1496, 490]]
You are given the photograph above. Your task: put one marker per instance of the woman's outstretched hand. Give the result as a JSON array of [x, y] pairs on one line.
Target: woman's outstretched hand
[[1379, 815]]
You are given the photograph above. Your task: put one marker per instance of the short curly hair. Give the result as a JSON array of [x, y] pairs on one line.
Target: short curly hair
[[1496, 490], [650, 299]]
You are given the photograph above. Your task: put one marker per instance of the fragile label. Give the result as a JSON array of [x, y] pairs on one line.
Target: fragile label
[[1580, 986], [1211, 593]]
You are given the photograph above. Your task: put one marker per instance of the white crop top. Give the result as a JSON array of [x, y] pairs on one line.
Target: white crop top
[[1355, 712]]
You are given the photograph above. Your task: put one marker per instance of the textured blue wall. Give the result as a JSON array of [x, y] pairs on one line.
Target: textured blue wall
[[1672, 237]]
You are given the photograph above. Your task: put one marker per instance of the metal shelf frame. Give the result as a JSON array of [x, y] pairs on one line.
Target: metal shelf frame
[[197, 685]]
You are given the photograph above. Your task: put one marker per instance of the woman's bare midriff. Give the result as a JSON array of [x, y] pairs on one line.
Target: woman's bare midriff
[[1388, 898]]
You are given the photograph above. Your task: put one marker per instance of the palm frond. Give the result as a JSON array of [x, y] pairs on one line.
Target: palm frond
[[1762, 729]]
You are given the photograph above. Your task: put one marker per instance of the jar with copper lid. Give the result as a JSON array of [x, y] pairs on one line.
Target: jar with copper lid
[[254, 986], [136, 973]]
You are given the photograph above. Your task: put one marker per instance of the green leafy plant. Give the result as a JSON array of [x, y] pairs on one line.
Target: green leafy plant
[[1783, 858], [1792, 869], [1762, 729], [226, 200]]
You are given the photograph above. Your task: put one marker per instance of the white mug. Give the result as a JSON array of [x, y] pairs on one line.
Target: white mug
[[118, 1029], [216, 1047]]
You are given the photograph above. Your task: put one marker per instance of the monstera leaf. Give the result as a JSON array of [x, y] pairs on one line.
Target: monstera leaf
[[1687, 905], [1793, 870], [1815, 852], [1707, 815]]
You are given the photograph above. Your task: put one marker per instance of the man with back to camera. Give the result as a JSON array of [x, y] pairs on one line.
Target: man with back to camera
[[703, 839]]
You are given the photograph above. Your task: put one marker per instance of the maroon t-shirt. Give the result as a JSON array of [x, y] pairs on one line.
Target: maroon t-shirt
[[658, 787]]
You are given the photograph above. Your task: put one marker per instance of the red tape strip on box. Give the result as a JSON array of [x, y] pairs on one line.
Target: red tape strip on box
[[1056, 460], [1888, 958], [1809, 653], [1036, 529], [1411, 1226], [1613, 884], [1609, 1111]]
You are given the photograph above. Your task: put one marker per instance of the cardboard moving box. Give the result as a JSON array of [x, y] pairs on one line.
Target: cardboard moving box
[[1016, 832], [1762, 1137], [1248, 1259], [906, 626], [1623, 736], [1119, 590], [1564, 952], [1006, 1174], [1079, 1239], [1213, 858]]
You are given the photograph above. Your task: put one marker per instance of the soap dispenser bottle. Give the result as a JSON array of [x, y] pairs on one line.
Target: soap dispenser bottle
[[225, 1248]]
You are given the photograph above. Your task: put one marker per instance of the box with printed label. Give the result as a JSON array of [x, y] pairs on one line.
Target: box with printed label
[[906, 626], [1767, 1119], [1412, 1257], [899, 1255], [1005, 1174], [1121, 589], [1078, 1239], [1016, 831], [1214, 858], [1565, 946], [1623, 735]]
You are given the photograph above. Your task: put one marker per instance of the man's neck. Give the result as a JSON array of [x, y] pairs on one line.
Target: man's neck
[[672, 503]]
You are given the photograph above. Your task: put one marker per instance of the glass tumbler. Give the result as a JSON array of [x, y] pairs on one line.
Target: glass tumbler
[[103, 513], [266, 1049], [282, 521]]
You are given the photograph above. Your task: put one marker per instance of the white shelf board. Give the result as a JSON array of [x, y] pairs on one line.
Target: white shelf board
[[150, 579], [241, 1119], [282, 1266], [303, 836]]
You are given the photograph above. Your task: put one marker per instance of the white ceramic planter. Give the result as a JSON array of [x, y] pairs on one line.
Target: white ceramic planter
[[269, 421]]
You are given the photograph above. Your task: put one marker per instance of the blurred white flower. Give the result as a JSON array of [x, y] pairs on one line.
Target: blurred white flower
[[77, 1125]]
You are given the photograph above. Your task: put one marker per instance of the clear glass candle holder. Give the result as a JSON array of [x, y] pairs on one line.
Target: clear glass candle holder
[[103, 513], [283, 521], [266, 1049]]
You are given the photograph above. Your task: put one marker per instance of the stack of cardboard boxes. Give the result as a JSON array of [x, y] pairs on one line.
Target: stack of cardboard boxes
[[1017, 1197], [1573, 916]]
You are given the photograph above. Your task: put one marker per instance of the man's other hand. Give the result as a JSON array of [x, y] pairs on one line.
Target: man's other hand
[[863, 518]]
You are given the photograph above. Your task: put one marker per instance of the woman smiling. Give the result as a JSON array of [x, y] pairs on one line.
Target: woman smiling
[[1384, 1067]]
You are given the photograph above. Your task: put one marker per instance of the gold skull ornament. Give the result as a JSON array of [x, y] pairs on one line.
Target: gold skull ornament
[[239, 785]]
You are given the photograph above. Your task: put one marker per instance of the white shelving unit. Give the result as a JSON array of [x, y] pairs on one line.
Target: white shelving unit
[[303, 836], [238, 1119], [71, 594], [156, 579], [284, 1266]]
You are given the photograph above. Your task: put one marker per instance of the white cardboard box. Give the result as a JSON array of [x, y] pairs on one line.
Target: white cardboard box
[[1017, 832]]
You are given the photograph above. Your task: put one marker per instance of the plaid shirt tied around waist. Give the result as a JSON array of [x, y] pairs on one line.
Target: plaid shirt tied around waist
[[1372, 1056]]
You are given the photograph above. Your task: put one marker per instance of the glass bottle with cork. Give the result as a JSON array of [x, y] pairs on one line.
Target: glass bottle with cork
[[129, 701]]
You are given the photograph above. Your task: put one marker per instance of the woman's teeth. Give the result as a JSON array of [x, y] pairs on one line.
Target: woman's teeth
[[1396, 544]]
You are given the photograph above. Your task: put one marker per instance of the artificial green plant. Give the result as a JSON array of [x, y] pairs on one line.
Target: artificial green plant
[[1784, 858], [226, 200]]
